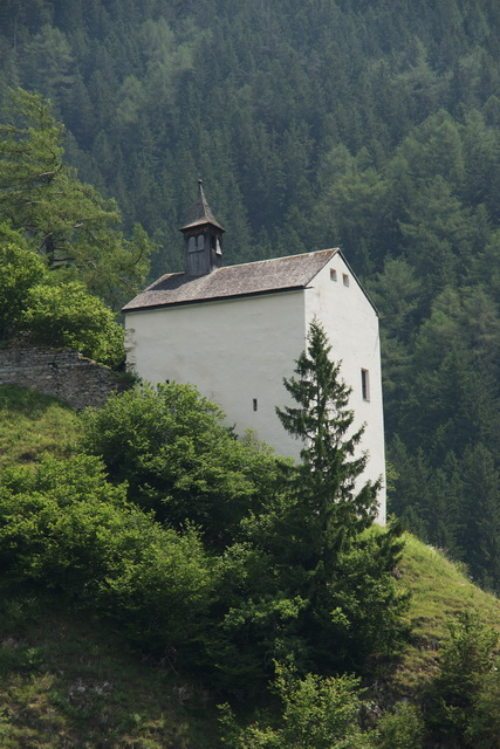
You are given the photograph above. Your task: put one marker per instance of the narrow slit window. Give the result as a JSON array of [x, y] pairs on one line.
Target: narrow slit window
[[365, 384], [333, 274], [255, 404], [345, 279]]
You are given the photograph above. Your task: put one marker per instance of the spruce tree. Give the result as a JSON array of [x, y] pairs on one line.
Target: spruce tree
[[326, 478], [344, 577]]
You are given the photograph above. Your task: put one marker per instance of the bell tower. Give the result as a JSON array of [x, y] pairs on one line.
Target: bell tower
[[202, 237]]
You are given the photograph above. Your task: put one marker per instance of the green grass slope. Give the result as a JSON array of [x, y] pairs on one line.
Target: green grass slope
[[33, 425], [439, 590], [68, 682]]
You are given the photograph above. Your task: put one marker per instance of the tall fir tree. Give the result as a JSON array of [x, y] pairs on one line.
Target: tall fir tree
[[327, 475], [335, 565]]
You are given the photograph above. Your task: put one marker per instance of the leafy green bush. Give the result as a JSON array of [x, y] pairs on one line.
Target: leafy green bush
[[67, 315], [63, 314], [318, 713], [403, 728], [20, 269], [178, 458], [483, 729], [63, 527], [456, 705]]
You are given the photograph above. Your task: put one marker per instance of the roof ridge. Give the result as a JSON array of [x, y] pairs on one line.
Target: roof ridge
[[281, 257]]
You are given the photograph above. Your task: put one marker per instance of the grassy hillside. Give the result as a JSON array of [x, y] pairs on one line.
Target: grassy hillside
[[33, 425], [440, 590], [65, 682], [68, 681]]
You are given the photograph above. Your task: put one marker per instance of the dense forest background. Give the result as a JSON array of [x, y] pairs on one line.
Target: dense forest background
[[369, 124]]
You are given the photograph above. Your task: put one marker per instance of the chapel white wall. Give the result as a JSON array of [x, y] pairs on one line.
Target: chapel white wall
[[233, 351], [351, 324], [240, 349]]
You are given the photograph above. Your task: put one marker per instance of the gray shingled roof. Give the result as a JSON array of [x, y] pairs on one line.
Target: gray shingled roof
[[278, 274]]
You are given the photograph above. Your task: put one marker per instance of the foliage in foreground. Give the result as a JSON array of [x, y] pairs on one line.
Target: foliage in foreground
[[65, 529], [295, 573], [45, 698], [178, 459], [227, 608], [317, 713], [462, 703], [220, 573]]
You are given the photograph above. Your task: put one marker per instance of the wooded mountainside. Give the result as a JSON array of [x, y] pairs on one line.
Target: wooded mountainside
[[369, 124]]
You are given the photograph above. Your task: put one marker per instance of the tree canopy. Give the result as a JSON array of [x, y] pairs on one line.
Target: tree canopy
[[68, 222]]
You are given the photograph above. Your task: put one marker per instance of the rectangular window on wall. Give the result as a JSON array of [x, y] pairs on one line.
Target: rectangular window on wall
[[365, 384], [255, 404]]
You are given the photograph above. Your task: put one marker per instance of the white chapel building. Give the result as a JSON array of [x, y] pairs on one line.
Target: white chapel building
[[236, 331]]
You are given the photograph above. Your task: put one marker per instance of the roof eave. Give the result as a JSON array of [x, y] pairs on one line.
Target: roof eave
[[205, 300], [202, 222]]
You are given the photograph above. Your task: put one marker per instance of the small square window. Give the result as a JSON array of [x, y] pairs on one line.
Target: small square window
[[255, 404], [333, 274], [365, 384], [345, 279]]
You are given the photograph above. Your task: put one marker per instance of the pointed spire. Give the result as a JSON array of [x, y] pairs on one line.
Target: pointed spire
[[202, 238], [200, 212]]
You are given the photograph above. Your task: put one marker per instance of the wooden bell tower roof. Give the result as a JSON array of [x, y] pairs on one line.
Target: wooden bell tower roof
[[200, 213]]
